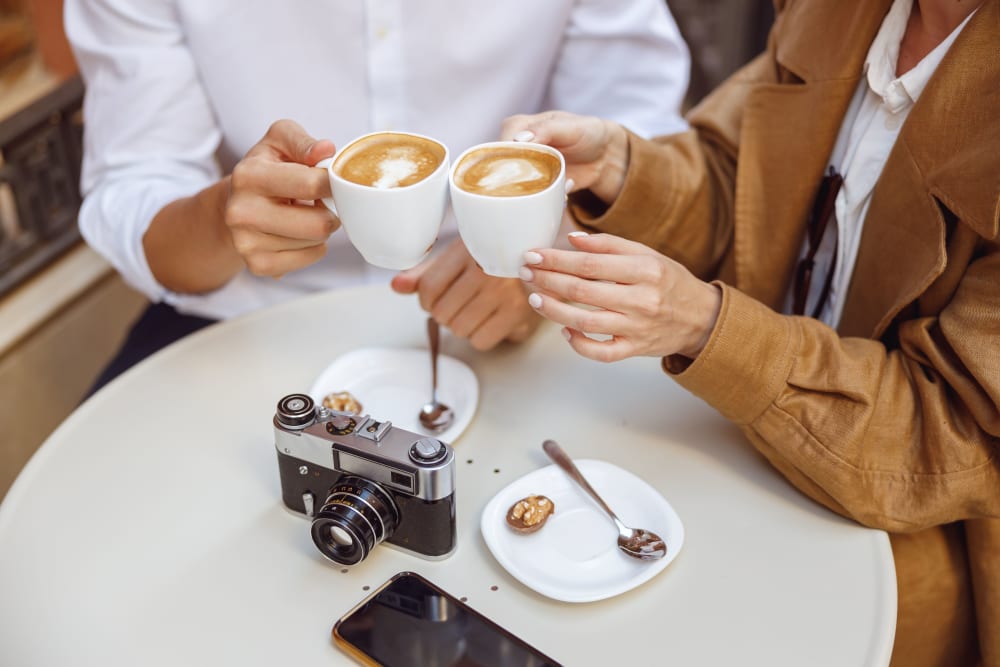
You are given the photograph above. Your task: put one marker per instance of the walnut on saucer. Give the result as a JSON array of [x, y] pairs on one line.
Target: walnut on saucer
[[342, 401], [530, 514]]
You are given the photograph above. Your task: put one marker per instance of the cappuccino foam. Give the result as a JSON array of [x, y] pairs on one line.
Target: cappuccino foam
[[507, 171], [389, 160]]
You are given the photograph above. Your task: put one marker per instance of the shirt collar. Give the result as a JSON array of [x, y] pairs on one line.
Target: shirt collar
[[898, 93]]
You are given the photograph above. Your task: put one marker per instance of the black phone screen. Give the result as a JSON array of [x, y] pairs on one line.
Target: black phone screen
[[410, 621]]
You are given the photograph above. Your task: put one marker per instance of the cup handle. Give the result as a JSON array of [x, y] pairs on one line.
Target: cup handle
[[324, 164]]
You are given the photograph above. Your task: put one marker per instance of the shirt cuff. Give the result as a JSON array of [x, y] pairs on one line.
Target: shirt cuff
[[746, 362]]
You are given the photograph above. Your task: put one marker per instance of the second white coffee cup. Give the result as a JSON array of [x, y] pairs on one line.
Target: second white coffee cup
[[508, 198], [390, 190]]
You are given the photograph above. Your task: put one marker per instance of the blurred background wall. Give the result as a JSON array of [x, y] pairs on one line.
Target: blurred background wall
[[63, 310], [722, 36]]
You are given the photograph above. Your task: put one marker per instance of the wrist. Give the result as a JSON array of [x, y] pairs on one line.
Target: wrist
[[615, 164], [188, 246], [705, 317]]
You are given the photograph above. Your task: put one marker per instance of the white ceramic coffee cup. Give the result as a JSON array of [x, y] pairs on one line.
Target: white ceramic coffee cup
[[498, 230], [393, 228]]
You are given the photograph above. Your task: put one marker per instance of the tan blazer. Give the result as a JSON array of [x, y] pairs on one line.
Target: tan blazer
[[894, 419]]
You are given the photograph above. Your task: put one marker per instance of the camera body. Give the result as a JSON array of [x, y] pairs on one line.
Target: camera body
[[363, 481]]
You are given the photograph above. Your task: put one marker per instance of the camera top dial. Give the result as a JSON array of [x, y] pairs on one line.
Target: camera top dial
[[295, 411], [428, 451]]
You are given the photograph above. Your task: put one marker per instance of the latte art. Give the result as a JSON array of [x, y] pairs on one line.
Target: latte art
[[503, 172], [507, 172], [389, 160]]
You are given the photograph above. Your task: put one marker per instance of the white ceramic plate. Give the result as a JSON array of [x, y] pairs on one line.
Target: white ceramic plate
[[393, 383], [574, 557]]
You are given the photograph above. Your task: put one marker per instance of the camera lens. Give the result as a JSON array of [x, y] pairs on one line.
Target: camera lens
[[357, 515]]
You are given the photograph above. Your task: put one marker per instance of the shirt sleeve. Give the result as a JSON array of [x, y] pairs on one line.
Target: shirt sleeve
[[150, 135], [624, 60]]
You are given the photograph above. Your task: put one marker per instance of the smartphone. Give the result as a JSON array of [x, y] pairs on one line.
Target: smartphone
[[408, 621]]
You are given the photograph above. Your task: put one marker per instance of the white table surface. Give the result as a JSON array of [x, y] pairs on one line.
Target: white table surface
[[149, 528]]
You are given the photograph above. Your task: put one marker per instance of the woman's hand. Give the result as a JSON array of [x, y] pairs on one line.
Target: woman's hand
[[647, 303], [596, 150], [271, 212]]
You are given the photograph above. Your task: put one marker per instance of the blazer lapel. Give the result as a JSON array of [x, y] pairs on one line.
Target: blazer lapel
[[781, 163], [781, 167], [946, 156]]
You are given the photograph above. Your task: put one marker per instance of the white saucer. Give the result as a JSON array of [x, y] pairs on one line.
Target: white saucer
[[393, 383], [574, 557]]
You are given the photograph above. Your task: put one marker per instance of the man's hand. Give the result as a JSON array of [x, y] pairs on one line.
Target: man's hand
[[456, 293], [277, 226]]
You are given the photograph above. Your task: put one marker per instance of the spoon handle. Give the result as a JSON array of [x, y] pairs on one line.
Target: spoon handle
[[434, 337], [562, 459]]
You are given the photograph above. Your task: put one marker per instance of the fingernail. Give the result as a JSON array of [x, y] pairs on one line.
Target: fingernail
[[535, 300], [578, 234], [532, 257], [524, 135], [570, 184], [526, 274], [566, 334]]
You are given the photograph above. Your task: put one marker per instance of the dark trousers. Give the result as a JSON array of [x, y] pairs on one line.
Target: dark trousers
[[158, 326]]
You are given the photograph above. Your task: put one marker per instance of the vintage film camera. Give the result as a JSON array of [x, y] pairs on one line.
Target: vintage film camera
[[364, 481]]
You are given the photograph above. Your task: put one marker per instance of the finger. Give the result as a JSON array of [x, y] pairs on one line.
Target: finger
[[288, 140], [490, 333], [552, 128], [408, 281], [293, 221], [527, 326], [566, 286], [249, 243], [320, 150], [445, 269], [609, 244], [604, 322], [286, 180], [613, 349], [460, 292], [277, 264], [473, 315], [625, 269], [509, 322]]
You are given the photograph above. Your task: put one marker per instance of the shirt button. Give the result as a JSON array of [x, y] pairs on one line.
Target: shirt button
[[892, 121], [382, 32]]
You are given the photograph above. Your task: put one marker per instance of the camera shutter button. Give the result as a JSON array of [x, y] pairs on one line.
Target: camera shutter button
[[340, 425], [427, 451], [341, 422]]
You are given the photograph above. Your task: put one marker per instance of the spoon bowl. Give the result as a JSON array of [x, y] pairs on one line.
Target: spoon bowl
[[635, 542], [435, 416]]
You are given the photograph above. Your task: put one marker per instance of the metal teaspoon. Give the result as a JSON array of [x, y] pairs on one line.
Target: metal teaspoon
[[435, 416], [636, 542]]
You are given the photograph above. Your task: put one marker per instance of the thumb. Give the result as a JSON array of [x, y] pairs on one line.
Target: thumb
[[408, 281], [319, 150], [292, 141]]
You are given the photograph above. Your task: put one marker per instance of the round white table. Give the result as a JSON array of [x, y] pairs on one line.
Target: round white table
[[149, 528]]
